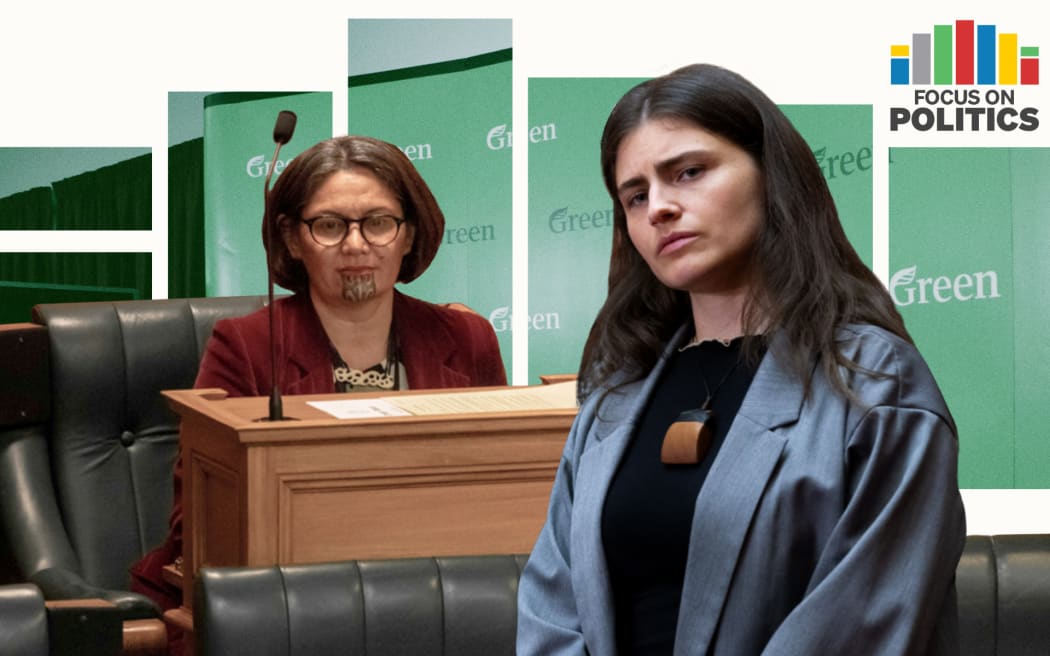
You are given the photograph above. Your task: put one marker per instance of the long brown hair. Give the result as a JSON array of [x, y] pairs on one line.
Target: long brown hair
[[309, 171], [807, 279]]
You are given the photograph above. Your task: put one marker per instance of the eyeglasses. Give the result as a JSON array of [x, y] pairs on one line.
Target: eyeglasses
[[376, 229]]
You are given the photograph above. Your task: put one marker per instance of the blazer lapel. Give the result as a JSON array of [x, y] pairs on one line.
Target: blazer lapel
[[427, 345], [612, 429], [306, 360], [590, 577], [729, 497]]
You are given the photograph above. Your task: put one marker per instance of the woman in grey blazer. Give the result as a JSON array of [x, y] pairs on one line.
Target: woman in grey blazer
[[762, 462]]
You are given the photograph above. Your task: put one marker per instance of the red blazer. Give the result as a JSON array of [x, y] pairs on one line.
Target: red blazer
[[440, 348]]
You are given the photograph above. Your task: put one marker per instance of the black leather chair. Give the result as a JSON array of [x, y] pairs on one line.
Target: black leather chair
[[1003, 585], [85, 477], [468, 604], [457, 606], [23, 621], [29, 626]]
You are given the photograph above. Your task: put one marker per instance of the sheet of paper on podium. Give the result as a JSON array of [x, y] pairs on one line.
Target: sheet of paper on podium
[[511, 399]]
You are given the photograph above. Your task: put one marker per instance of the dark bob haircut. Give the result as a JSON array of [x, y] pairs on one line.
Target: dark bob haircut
[[309, 171]]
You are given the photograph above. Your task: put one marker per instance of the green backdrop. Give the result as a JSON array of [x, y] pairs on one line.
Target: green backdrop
[[238, 146], [186, 219], [969, 237], [30, 278], [113, 197], [969, 271], [453, 121]]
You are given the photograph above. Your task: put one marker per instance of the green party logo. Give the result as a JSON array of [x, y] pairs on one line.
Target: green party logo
[[844, 164], [908, 288], [257, 166], [502, 320], [563, 220], [500, 136]]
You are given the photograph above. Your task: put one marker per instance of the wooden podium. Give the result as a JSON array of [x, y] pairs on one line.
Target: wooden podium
[[315, 488]]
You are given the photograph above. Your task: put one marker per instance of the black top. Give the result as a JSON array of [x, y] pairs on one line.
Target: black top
[[648, 512]]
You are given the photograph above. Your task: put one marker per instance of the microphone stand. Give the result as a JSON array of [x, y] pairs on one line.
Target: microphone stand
[[282, 134]]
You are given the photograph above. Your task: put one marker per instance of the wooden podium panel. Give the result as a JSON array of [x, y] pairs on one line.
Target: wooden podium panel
[[315, 488]]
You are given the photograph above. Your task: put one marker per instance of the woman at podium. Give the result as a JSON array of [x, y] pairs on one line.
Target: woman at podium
[[353, 217], [762, 462], [350, 218]]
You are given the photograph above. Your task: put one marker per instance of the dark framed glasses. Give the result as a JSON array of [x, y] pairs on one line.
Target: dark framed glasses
[[332, 229]]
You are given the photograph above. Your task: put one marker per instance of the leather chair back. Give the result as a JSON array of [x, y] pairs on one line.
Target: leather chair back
[[1003, 585], [23, 621], [25, 403], [455, 606], [112, 439], [468, 604]]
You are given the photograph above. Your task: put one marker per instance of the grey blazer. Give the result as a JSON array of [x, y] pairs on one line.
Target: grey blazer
[[823, 527]]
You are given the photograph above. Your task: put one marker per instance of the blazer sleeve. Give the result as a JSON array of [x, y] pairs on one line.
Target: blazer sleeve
[[884, 581], [548, 622]]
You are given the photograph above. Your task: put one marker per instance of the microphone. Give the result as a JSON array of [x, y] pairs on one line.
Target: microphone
[[282, 134], [283, 129]]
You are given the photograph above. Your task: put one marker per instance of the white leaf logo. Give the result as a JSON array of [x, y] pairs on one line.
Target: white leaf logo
[[499, 319], [256, 166], [903, 277], [498, 138], [499, 313]]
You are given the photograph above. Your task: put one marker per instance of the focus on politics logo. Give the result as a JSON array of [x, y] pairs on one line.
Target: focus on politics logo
[[964, 77]]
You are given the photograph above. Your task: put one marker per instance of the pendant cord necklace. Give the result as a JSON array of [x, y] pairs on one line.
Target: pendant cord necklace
[[688, 438]]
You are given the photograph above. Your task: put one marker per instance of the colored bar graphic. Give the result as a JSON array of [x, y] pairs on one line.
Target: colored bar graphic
[[1007, 59], [920, 59], [986, 54], [1029, 71], [899, 71], [899, 64], [942, 54], [964, 52], [1029, 65]]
